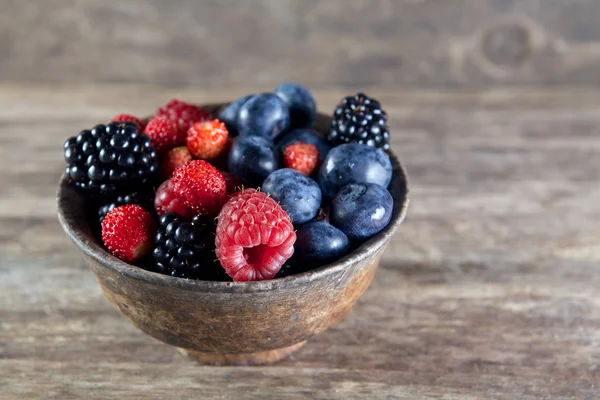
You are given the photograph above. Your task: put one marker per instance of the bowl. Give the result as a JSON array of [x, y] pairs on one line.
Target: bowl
[[233, 323]]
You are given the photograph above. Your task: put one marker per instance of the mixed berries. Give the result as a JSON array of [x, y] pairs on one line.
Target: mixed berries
[[249, 193]]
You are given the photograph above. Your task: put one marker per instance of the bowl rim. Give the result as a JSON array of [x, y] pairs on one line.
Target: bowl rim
[[80, 233]]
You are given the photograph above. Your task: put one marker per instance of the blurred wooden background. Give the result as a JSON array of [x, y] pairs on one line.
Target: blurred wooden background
[[322, 43], [489, 290]]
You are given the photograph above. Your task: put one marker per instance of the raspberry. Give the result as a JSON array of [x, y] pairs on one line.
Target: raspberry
[[164, 134], [128, 232], [303, 157], [232, 182], [130, 118], [255, 236], [207, 140], [184, 114], [166, 201], [201, 187], [173, 159]]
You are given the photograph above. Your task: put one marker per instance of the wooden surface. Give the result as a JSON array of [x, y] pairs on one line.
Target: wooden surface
[[323, 43], [488, 291]]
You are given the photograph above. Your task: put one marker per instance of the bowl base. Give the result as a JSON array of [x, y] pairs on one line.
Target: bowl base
[[258, 358]]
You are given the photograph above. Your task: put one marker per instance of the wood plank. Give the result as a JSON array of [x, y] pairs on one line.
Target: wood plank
[[349, 43], [489, 289]]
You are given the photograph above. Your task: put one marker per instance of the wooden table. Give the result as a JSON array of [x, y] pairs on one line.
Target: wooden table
[[489, 290]]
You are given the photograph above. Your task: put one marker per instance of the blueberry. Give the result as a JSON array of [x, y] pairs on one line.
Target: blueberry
[[303, 109], [252, 159], [320, 243], [297, 194], [354, 163], [229, 114], [304, 136], [264, 115], [362, 210]]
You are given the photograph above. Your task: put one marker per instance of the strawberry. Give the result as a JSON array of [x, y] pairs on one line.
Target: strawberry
[[173, 159], [167, 201], [164, 134], [303, 157], [201, 187], [183, 113], [207, 140], [128, 232]]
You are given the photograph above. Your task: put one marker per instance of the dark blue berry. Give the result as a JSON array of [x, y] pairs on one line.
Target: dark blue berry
[[264, 115], [361, 210], [304, 136], [354, 163], [320, 243], [297, 194], [303, 108], [229, 114], [252, 158]]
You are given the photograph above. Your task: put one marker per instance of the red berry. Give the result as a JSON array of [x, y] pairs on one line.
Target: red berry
[[130, 118], [173, 159], [233, 183], [167, 201], [164, 134], [255, 236], [184, 114], [303, 157], [207, 140], [201, 186], [128, 232]]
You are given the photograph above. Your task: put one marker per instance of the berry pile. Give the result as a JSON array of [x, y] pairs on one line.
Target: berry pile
[[250, 193]]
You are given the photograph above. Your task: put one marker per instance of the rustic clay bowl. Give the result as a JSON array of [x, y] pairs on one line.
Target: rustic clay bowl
[[239, 323]]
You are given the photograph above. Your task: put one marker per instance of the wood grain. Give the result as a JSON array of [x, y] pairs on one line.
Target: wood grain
[[488, 291], [329, 43]]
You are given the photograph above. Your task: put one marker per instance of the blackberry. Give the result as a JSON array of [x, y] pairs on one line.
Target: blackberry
[[360, 119], [187, 249], [110, 159], [143, 198]]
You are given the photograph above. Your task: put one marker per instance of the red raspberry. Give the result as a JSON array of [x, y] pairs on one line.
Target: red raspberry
[[130, 118], [173, 159], [201, 186], [164, 134], [184, 114], [233, 183], [207, 140], [128, 232], [255, 236], [303, 157], [167, 201]]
